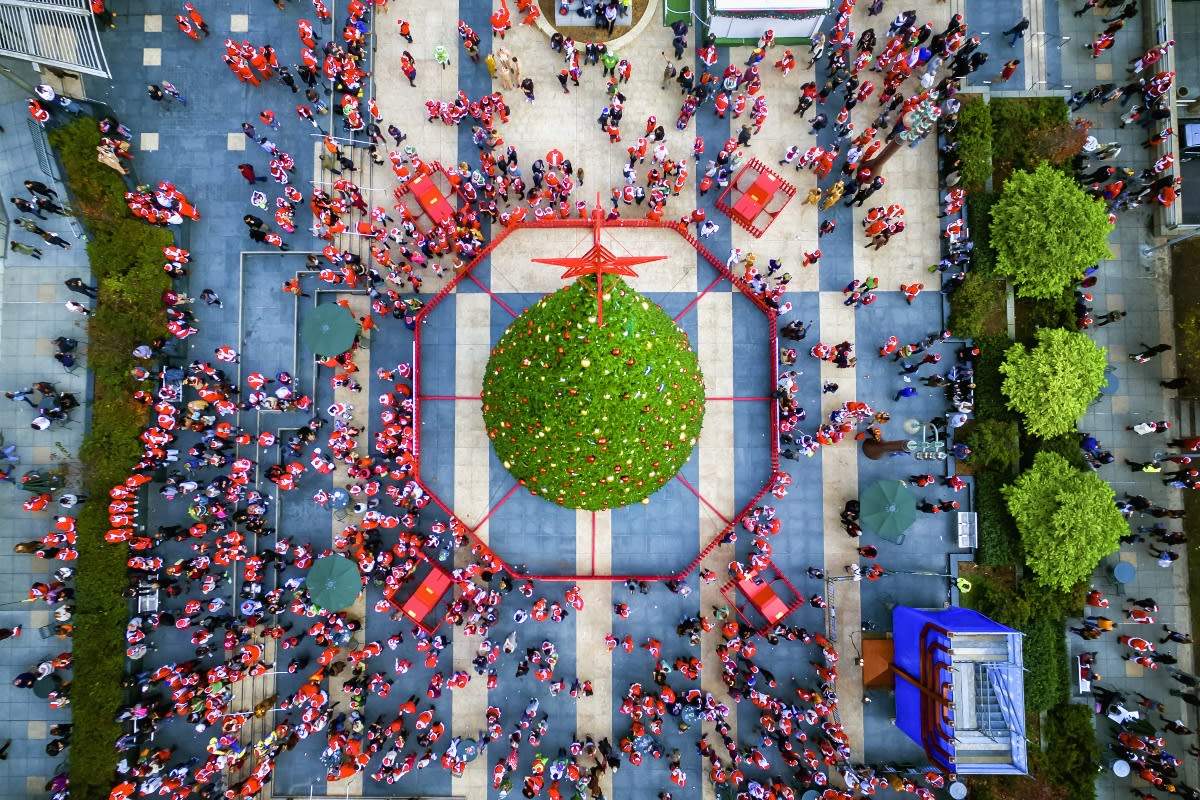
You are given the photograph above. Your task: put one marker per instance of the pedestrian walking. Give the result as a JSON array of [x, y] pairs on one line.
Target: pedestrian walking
[[25, 249], [1149, 352], [1128, 12], [27, 206], [1176, 726], [211, 298], [8, 633], [1166, 557], [248, 173], [171, 91], [1009, 69], [37, 187], [77, 285], [1149, 426], [1017, 31], [1175, 636], [78, 308], [1191, 698], [21, 395]]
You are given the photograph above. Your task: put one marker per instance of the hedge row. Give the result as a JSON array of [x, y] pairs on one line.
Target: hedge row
[[995, 139], [1070, 730], [974, 303], [974, 135], [126, 260]]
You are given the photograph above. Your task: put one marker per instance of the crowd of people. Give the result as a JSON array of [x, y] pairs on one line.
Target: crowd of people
[[191, 455], [1140, 735]]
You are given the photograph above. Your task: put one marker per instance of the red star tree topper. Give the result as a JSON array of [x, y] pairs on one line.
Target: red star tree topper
[[598, 261]]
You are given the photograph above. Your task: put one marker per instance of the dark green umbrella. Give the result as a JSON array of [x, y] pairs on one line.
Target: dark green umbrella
[[42, 687], [328, 330], [887, 508], [333, 582]]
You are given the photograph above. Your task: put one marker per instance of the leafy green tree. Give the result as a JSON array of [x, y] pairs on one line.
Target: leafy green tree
[[1052, 384], [1046, 231], [1067, 519]]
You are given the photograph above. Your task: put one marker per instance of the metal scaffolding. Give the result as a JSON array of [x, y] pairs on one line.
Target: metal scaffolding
[[57, 33]]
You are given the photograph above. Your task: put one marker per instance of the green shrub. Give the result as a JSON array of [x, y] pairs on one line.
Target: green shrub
[[1014, 120], [1046, 231], [994, 446], [1045, 651], [126, 258], [1052, 312], [974, 303], [1070, 730], [979, 221], [990, 402], [1066, 446], [1066, 518], [999, 539], [974, 135]]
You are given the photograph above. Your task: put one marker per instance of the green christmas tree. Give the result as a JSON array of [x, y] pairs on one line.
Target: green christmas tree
[[589, 416]]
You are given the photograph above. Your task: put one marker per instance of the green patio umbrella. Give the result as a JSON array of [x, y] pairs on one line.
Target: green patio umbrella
[[887, 508], [328, 330], [42, 687], [333, 582]]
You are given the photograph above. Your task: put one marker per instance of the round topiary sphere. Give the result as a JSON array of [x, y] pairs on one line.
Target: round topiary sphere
[[590, 416]]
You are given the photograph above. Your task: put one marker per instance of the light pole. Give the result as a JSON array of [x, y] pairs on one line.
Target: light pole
[[1147, 251]]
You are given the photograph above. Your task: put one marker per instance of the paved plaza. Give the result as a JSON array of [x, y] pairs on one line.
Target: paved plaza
[[683, 531]]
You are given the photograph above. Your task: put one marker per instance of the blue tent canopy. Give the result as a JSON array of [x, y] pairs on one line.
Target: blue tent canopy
[[960, 690]]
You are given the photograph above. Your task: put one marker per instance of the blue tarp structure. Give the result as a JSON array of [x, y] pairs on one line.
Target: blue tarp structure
[[960, 689]]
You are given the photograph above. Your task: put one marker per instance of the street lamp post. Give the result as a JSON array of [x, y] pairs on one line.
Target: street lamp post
[[1147, 251]]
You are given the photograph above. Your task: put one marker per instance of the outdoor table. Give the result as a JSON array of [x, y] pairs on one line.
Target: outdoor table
[[338, 499], [1114, 383], [958, 790], [1124, 572], [1120, 768]]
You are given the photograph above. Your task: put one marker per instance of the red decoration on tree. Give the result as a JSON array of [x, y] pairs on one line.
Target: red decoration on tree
[[598, 261]]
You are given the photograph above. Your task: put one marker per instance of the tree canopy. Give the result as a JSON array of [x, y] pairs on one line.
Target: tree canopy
[[1067, 519], [1046, 231], [1052, 384], [592, 416]]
